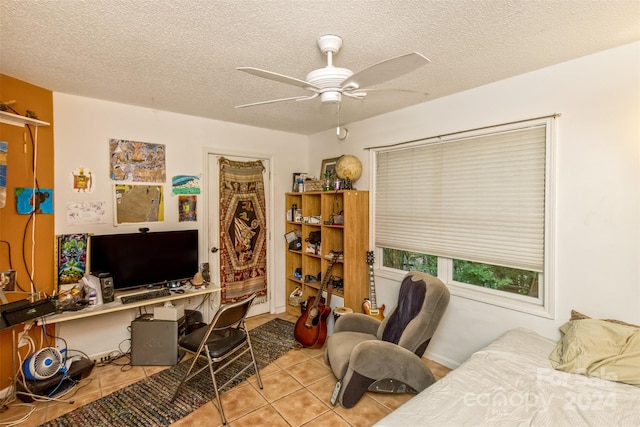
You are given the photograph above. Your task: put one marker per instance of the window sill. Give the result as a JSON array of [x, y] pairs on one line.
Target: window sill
[[486, 296], [509, 301]]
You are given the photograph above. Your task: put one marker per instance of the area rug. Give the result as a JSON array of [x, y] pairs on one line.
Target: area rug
[[148, 402]]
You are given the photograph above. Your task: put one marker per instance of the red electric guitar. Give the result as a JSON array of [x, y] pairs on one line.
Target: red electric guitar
[[369, 305], [311, 327]]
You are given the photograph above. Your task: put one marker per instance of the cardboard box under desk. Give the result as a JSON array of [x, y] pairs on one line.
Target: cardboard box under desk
[[174, 313]]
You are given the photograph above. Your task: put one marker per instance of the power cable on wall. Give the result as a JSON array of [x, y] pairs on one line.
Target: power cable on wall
[[36, 189], [30, 167]]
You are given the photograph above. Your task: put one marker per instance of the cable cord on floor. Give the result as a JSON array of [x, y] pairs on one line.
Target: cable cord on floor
[[17, 421]]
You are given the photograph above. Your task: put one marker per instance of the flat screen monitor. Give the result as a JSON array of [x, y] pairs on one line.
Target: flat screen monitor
[[145, 259]]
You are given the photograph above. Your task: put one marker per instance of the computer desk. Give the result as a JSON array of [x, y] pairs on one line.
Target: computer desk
[[117, 305]]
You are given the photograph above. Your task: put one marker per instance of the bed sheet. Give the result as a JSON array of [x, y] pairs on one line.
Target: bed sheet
[[511, 383]]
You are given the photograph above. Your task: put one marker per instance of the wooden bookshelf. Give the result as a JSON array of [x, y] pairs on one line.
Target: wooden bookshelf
[[351, 238]]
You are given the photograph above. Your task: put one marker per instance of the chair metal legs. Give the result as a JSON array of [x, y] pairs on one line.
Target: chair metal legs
[[186, 376], [212, 361], [253, 358]]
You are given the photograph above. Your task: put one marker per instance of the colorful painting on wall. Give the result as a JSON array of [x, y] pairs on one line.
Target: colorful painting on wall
[[138, 203], [185, 184], [3, 174], [32, 200], [72, 257], [187, 208], [82, 180], [136, 161]]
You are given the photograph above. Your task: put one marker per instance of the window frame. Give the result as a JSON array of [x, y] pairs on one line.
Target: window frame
[[544, 304]]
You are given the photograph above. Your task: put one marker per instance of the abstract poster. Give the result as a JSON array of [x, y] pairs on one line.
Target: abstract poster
[[185, 184], [3, 174], [138, 203], [136, 161], [72, 257], [32, 200], [187, 208]]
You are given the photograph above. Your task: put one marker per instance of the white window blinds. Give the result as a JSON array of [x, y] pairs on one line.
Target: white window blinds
[[479, 198]]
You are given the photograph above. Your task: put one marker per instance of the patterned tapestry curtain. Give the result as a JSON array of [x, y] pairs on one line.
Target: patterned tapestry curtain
[[243, 231]]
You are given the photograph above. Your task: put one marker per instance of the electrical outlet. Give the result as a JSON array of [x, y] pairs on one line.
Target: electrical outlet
[[24, 335]]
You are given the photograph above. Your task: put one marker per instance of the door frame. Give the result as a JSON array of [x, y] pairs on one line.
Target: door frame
[[269, 210]]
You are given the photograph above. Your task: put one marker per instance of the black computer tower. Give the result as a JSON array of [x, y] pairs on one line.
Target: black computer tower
[[154, 342]]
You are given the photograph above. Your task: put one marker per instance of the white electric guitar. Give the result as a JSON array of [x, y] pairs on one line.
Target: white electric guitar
[[369, 305]]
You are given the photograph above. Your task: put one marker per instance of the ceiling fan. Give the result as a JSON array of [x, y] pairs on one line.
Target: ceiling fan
[[330, 83]]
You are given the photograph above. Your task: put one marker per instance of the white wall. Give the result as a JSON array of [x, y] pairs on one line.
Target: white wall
[[82, 129], [597, 234]]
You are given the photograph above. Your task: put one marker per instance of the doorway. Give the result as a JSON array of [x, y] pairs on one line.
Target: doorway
[[213, 243]]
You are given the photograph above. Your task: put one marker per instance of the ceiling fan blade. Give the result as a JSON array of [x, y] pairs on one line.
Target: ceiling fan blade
[[278, 77], [385, 71], [272, 101]]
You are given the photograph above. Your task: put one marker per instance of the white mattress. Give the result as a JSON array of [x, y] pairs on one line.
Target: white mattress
[[511, 383]]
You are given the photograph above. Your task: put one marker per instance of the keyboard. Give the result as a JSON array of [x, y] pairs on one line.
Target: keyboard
[[159, 293]]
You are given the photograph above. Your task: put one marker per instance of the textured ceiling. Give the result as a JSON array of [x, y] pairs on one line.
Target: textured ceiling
[[181, 55]]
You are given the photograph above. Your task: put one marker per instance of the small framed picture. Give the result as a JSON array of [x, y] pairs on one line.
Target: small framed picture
[[328, 165]]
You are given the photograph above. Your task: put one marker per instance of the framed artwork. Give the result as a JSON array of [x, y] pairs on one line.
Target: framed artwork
[[328, 165]]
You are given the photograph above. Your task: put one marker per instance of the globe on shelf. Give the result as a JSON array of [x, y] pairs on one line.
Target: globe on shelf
[[349, 169]]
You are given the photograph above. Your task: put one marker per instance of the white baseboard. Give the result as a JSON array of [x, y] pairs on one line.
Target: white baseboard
[[449, 363]]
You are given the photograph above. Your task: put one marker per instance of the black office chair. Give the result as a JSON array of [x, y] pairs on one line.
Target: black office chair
[[225, 336]]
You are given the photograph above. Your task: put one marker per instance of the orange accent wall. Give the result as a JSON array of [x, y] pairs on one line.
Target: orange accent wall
[[17, 229]]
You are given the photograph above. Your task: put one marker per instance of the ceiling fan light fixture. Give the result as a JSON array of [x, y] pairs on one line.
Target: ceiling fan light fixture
[[330, 97], [329, 77]]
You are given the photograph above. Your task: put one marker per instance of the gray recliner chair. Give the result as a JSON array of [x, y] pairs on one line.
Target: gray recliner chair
[[367, 354]]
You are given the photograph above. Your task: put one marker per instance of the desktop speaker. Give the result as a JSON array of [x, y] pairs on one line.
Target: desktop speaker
[[108, 291]]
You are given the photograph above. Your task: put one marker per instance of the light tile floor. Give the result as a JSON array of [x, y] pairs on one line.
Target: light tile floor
[[297, 391]]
